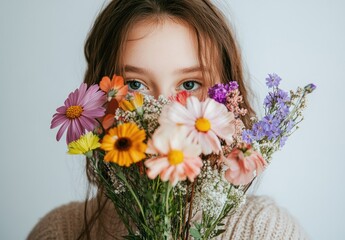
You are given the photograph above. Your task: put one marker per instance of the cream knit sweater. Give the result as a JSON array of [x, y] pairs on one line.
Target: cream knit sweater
[[259, 218]]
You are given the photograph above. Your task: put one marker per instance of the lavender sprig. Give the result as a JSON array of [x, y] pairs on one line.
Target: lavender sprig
[[283, 112]]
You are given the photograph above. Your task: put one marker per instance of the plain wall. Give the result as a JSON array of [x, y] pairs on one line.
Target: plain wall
[[41, 61]]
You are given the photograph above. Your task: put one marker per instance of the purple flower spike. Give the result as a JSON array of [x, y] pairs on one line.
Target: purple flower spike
[[310, 87], [273, 80], [282, 96]]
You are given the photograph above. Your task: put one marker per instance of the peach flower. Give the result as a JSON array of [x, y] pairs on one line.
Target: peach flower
[[243, 165], [178, 157]]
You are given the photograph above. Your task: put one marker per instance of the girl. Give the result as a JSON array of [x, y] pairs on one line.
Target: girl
[[162, 47]]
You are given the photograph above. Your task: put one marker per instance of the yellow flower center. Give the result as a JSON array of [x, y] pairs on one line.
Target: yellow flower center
[[175, 157], [202, 124], [74, 112], [123, 144]]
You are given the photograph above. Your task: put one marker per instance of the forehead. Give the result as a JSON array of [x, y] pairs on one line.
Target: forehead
[[163, 44]]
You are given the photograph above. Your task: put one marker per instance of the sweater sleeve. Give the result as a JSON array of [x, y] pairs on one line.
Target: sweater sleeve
[[61, 223], [260, 218]]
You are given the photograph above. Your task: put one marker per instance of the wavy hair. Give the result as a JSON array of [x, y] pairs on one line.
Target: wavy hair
[[106, 41]]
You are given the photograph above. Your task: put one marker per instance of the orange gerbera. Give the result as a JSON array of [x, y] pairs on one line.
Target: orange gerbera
[[124, 144], [115, 88]]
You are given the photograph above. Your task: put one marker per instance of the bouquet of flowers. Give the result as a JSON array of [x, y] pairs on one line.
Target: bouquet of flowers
[[176, 167]]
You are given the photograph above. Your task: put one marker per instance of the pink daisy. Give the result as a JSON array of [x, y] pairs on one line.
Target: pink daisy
[[205, 121], [178, 157], [79, 113], [243, 165]]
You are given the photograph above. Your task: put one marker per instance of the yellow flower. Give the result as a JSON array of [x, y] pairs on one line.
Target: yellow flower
[[124, 144], [134, 103], [84, 145]]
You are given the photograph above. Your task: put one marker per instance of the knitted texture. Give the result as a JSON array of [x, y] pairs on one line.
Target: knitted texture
[[258, 218]]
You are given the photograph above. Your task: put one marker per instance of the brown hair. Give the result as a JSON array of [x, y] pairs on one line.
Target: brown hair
[[106, 43]]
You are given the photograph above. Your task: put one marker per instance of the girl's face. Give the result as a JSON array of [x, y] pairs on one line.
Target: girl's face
[[162, 59]]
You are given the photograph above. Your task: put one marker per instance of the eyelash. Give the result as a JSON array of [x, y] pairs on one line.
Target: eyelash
[[134, 81], [193, 88], [131, 81]]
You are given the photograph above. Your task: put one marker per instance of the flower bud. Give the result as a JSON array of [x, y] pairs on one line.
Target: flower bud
[[310, 87]]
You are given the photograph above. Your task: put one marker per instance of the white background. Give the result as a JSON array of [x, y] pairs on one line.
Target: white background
[[41, 61]]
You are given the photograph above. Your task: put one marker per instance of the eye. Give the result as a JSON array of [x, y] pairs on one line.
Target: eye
[[134, 85], [189, 86]]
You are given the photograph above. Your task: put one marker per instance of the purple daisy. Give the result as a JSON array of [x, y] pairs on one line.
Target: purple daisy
[[79, 113]]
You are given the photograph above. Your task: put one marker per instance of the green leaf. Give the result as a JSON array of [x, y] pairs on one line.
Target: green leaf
[[220, 231], [195, 233]]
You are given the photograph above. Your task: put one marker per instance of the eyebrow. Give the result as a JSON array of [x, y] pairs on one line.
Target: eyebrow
[[134, 69], [189, 70]]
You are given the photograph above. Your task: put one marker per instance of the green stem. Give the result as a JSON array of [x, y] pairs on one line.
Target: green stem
[[119, 203], [181, 216], [122, 177], [190, 209], [167, 215], [292, 113]]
